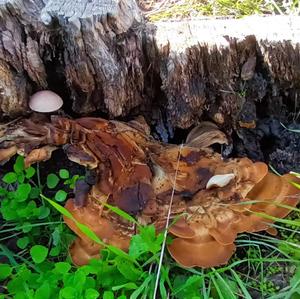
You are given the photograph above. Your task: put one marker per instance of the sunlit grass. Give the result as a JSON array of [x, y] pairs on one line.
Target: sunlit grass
[[194, 8]]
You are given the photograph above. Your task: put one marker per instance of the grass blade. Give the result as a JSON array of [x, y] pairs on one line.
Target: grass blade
[[216, 285], [291, 130], [167, 225], [143, 286], [83, 228], [226, 289], [88, 232], [58, 207], [241, 284], [121, 213], [295, 184], [285, 221], [296, 174], [274, 170]]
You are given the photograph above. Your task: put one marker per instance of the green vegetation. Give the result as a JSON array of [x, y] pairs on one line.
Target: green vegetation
[[196, 8], [39, 266]]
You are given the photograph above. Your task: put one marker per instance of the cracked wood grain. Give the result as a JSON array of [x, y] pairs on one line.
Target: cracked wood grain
[[101, 56]]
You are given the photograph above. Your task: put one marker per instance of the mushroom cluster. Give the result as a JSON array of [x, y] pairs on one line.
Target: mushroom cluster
[[214, 199]]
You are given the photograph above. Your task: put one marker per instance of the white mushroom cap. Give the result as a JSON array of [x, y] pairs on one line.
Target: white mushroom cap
[[45, 101], [220, 180]]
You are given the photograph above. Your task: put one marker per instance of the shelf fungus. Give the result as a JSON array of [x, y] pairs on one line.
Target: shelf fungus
[[214, 199]]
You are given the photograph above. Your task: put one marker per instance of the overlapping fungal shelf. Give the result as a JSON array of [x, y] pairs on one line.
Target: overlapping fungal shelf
[[214, 199]]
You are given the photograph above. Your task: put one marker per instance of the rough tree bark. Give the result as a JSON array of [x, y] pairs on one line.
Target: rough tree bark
[[88, 51], [221, 66], [101, 56]]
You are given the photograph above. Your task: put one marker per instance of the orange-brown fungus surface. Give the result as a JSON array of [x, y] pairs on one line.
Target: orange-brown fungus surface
[[214, 199]]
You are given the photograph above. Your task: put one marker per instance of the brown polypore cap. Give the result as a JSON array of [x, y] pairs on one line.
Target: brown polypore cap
[[45, 101], [181, 229], [106, 230], [82, 251], [193, 252], [276, 197], [198, 249]]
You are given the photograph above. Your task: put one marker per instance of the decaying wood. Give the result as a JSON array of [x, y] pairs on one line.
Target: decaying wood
[[102, 57], [214, 199], [221, 67], [87, 51]]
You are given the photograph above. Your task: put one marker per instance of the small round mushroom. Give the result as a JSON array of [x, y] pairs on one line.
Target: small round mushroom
[[45, 101]]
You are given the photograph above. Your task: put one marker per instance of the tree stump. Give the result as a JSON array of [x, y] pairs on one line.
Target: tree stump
[[87, 51], [104, 59]]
